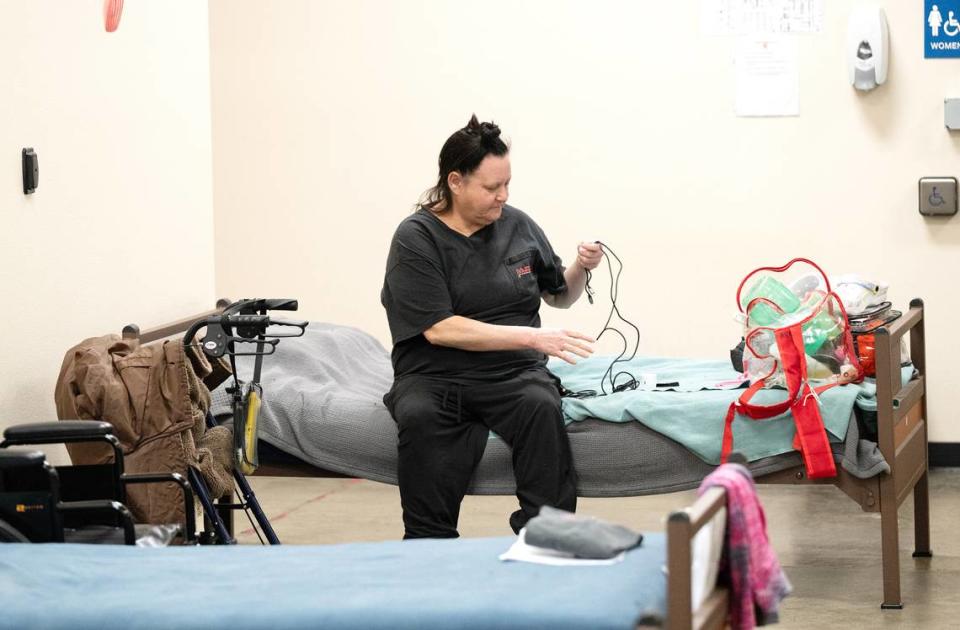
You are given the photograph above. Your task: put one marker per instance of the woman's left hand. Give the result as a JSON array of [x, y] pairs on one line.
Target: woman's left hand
[[589, 255]]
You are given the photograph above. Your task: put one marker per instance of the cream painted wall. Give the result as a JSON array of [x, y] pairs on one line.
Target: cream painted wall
[[328, 118], [121, 227]]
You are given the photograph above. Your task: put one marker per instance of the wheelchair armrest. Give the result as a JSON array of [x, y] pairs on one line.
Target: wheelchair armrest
[[190, 534], [21, 459], [57, 432], [126, 518]]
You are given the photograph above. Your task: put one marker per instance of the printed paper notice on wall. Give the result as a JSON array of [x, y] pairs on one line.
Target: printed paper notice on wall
[[768, 77], [753, 17]]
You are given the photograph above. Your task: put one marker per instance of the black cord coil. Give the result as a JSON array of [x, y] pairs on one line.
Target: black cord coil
[[610, 376]]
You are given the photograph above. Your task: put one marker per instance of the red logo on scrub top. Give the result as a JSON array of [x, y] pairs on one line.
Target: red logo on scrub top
[[522, 271]]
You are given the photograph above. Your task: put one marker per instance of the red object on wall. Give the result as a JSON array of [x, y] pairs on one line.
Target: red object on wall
[[111, 14]]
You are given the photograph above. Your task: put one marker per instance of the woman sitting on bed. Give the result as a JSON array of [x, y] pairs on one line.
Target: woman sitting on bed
[[464, 279]]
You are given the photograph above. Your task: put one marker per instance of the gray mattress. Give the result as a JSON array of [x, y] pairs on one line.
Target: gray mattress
[[322, 404]]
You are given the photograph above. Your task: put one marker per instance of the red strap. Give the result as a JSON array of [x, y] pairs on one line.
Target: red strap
[[811, 438], [788, 360], [727, 444], [823, 275], [814, 445], [755, 412]]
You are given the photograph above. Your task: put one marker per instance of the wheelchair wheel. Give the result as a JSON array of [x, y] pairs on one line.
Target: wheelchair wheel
[[10, 534]]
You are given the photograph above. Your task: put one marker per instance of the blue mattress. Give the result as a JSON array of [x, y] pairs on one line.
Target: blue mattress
[[414, 584]]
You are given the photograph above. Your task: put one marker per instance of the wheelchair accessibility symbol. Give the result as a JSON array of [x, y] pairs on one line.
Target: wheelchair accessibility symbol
[[935, 199], [952, 27]]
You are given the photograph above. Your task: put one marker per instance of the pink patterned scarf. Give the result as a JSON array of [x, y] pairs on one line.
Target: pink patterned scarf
[[757, 583]]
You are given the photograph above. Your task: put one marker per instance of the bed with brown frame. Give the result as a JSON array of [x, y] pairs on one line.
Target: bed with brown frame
[[354, 584], [901, 431]]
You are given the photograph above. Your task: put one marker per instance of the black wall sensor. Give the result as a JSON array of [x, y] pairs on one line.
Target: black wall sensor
[[31, 171]]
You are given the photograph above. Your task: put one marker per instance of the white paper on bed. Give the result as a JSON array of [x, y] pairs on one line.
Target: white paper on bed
[[520, 551]]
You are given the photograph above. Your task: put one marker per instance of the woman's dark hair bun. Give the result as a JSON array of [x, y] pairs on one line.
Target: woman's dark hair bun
[[487, 131]]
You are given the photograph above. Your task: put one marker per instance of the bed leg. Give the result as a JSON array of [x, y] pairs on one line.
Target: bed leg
[[921, 519], [890, 546]]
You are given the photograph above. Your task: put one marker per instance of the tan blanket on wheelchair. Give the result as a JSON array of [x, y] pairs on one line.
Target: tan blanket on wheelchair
[[156, 400]]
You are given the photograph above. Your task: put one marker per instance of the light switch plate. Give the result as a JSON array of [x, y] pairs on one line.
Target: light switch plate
[[951, 113], [938, 196]]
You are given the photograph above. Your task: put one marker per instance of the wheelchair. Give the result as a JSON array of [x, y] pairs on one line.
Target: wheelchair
[[85, 503], [81, 503]]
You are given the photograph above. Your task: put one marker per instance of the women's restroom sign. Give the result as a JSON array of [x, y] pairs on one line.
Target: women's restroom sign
[[941, 28]]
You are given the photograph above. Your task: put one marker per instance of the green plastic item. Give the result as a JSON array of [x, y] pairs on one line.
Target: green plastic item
[[818, 331], [763, 314]]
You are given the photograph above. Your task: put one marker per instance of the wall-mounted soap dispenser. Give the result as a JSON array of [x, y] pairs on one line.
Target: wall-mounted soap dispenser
[[868, 48]]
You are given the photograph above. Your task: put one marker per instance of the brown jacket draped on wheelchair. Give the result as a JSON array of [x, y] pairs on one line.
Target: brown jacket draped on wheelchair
[[156, 397]]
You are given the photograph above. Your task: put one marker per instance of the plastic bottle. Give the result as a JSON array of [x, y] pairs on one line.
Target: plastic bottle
[[822, 327]]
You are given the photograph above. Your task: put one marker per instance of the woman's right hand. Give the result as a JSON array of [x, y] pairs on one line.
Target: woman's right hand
[[563, 344]]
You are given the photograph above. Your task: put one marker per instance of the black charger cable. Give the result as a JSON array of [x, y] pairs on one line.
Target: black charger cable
[[609, 376]]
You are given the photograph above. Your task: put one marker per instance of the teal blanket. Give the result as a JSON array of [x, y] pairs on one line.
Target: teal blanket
[[692, 412], [415, 584]]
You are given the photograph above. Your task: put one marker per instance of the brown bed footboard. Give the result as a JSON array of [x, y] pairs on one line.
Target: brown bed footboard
[[682, 526], [902, 437]]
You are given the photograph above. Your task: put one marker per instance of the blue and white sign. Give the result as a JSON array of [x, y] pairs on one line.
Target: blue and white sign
[[941, 28]]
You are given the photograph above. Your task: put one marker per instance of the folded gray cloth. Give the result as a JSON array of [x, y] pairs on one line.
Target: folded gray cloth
[[583, 536]]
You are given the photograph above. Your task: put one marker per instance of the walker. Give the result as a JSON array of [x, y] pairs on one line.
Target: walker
[[241, 329]]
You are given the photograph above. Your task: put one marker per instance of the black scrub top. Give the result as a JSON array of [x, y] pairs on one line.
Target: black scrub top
[[495, 276]]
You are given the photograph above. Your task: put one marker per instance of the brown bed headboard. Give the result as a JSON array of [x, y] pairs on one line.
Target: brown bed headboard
[[132, 331]]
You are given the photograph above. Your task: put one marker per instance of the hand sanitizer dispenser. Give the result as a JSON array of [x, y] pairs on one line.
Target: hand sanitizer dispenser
[[868, 48]]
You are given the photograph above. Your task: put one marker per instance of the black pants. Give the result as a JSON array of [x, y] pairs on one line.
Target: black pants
[[443, 430]]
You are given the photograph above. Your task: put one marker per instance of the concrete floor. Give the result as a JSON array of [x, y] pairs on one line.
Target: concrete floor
[[829, 548]]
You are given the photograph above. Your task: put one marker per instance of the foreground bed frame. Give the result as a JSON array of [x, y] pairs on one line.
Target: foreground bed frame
[[39, 573], [682, 526], [901, 430]]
